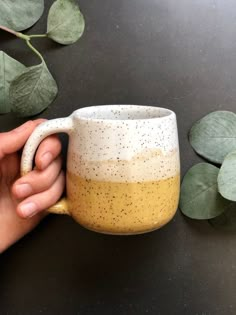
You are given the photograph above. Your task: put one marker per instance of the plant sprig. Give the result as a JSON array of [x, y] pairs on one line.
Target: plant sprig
[[27, 91], [209, 192]]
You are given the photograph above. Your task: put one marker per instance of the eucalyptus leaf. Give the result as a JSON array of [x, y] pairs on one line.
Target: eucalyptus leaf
[[227, 177], [227, 220], [9, 69], [33, 91], [20, 14], [199, 197], [214, 136], [65, 22]]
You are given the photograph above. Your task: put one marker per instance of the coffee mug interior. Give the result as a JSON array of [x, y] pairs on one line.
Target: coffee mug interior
[[122, 112]]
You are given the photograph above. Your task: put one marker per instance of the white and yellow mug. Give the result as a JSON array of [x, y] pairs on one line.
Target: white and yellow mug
[[123, 168]]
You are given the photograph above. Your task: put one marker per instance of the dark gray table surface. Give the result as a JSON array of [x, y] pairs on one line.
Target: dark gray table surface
[[175, 54]]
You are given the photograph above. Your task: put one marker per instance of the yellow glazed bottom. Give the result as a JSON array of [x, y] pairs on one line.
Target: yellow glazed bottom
[[120, 207]]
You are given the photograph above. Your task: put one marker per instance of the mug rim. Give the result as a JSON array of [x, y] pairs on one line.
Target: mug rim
[[81, 112]]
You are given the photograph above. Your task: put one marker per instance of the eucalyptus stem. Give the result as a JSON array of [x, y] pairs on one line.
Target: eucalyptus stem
[[37, 35], [6, 29], [35, 50], [26, 38], [21, 35]]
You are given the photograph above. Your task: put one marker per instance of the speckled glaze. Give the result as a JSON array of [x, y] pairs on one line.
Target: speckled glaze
[[123, 169]]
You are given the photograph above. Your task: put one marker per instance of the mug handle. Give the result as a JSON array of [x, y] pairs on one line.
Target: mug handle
[[42, 131]]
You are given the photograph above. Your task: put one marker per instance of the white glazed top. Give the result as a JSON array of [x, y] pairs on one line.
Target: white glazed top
[[127, 143]]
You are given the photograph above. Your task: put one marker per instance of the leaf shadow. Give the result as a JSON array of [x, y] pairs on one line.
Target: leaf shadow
[[13, 121], [204, 159], [199, 226], [6, 37], [51, 45], [203, 228]]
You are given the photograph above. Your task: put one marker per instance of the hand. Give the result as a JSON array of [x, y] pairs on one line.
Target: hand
[[22, 200]]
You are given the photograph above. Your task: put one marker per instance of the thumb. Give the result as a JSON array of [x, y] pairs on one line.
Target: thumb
[[14, 140]]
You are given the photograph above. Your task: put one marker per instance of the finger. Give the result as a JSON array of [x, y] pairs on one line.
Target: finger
[[37, 181], [15, 139], [41, 201], [48, 150]]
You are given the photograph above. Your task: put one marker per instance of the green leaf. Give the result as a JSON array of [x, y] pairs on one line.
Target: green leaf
[[20, 14], [33, 91], [227, 220], [214, 136], [227, 177], [9, 69], [199, 197], [65, 22]]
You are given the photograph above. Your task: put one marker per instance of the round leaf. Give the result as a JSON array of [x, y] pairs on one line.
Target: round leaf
[[9, 69], [199, 197], [20, 14], [33, 91], [227, 220], [227, 177], [214, 136], [65, 22]]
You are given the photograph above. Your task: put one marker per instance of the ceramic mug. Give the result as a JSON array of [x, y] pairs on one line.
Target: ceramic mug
[[123, 168]]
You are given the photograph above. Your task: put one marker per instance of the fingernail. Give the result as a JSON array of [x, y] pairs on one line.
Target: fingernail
[[46, 159], [23, 190], [28, 209]]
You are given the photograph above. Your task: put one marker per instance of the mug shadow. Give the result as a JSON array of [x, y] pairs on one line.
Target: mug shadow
[[90, 264], [110, 263]]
